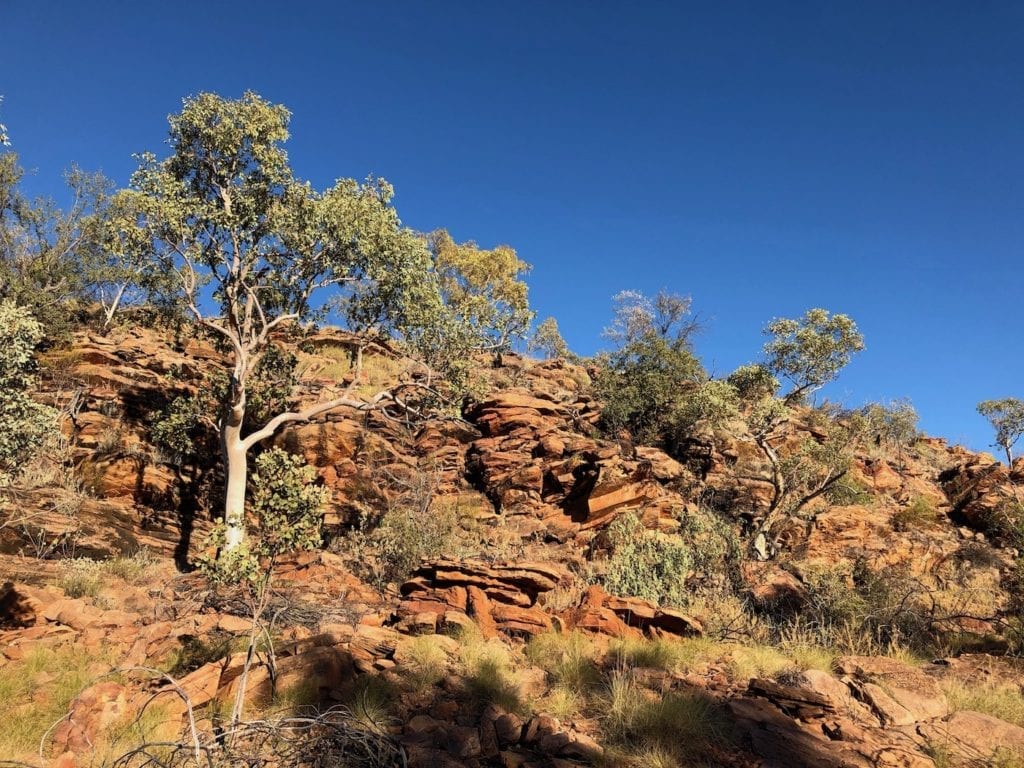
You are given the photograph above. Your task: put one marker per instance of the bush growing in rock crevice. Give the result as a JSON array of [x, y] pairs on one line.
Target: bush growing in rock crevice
[[24, 423], [648, 564]]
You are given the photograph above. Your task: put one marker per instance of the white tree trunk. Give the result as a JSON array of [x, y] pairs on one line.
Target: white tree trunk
[[236, 461]]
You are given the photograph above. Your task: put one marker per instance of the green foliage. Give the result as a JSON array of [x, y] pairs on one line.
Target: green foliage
[[24, 423], [548, 340], [287, 503], [648, 564], [181, 428], [1005, 522], [918, 514], [133, 569], [715, 549], [641, 382], [676, 728], [766, 415], [810, 351], [44, 250], [225, 207], [1007, 419], [116, 259], [483, 288], [858, 607], [288, 510], [672, 655], [568, 658], [271, 385], [390, 548], [815, 466], [848, 491], [177, 427], [37, 690], [714, 402], [894, 424], [753, 382]]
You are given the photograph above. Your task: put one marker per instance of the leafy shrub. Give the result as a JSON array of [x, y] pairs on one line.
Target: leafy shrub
[[405, 537], [24, 423], [753, 382], [288, 509], [415, 526], [641, 381], [1005, 523], [177, 427], [894, 424], [846, 491], [713, 402], [648, 564], [867, 609], [715, 548], [270, 386], [918, 513]]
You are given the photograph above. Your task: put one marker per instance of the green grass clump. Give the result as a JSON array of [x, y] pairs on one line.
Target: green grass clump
[[747, 662], [678, 724], [919, 513], [81, 577], [998, 699], [37, 691], [568, 658], [489, 672], [428, 662], [683, 655], [132, 569]]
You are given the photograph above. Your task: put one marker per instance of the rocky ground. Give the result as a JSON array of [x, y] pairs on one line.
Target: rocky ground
[[504, 649]]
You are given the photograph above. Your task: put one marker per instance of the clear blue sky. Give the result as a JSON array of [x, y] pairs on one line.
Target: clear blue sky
[[867, 157]]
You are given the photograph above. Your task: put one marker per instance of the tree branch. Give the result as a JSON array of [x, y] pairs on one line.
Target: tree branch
[[313, 411]]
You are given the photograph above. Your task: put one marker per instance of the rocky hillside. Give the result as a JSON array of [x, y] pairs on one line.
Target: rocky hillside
[[503, 587]]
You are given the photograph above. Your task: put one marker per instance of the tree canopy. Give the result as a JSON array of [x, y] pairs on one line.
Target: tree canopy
[[252, 249], [811, 350], [1007, 419]]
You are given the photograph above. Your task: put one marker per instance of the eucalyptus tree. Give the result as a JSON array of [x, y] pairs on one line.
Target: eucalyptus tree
[[484, 288], [643, 379], [811, 350], [251, 249], [117, 264], [43, 247], [547, 340], [1007, 419]]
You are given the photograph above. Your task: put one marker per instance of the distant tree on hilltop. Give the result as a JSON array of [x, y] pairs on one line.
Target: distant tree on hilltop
[[1007, 418]]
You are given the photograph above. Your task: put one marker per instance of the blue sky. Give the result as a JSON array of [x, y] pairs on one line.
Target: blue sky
[[764, 158]]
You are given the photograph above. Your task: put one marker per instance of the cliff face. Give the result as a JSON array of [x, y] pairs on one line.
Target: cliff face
[[531, 490]]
